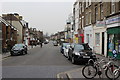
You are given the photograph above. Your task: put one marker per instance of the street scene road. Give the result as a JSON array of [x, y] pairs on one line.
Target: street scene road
[[44, 62], [60, 39]]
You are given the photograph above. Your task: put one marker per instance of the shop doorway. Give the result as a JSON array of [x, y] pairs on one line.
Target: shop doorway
[[102, 43]]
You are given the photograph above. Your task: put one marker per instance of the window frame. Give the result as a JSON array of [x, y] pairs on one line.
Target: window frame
[[97, 39]]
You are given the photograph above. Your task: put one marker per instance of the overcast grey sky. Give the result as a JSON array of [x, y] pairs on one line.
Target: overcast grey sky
[[46, 16]]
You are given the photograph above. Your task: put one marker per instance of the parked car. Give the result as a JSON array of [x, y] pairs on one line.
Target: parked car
[[46, 41], [70, 49], [63, 47], [18, 49], [81, 53], [66, 50], [55, 43]]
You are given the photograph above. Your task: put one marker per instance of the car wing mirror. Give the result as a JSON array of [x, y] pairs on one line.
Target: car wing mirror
[[90, 48]]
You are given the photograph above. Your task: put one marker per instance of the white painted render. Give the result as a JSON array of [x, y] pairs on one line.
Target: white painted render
[[89, 30], [98, 48], [113, 25]]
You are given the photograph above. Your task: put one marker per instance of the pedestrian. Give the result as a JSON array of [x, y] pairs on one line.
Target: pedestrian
[[32, 44], [41, 43]]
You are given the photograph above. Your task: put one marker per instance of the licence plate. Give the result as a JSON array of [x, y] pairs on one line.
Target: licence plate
[[86, 56]]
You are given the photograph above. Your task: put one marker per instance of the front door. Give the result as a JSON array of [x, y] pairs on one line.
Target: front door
[[103, 43]]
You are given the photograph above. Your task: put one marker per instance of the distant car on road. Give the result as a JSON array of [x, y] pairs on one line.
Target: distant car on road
[[46, 41], [81, 53], [63, 47], [66, 50], [18, 49], [55, 43]]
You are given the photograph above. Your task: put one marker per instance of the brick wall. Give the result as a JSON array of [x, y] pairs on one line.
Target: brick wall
[[3, 35]]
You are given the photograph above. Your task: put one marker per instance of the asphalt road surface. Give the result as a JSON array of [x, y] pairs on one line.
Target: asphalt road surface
[[44, 62]]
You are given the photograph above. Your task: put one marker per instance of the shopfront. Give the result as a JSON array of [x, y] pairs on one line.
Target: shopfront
[[114, 41], [113, 32]]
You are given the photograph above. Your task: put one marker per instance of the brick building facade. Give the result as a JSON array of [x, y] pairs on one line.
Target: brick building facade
[[9, 35], [0, 37], [92, 23]]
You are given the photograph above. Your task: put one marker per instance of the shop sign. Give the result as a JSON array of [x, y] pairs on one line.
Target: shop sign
[[100, 23], [113, 20], [76, 35]]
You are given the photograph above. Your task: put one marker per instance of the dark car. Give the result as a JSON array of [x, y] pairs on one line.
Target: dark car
[[46, 42], [18, 49], [63, 47], [55, 43], [81, 53]]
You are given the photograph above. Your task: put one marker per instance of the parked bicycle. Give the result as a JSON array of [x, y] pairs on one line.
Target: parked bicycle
[[92, 69], [109, 69], [116, 72]]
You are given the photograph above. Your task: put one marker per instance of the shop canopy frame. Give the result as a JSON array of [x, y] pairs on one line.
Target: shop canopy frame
[[115, 30]]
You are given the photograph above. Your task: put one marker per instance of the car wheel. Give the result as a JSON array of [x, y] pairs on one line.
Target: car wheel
[[26, 52], [73, 60], [11, 54]]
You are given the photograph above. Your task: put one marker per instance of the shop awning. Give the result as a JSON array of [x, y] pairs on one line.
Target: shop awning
[[114, 30]]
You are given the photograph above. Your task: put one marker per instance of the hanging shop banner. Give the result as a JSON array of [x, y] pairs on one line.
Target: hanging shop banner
[[115, 19], [100, 24]]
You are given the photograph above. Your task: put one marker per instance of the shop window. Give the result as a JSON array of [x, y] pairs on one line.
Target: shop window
[[114, 43], [111, 42], [97, 39], [117, 43]]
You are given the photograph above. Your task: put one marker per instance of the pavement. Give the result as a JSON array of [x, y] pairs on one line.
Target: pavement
[[76, 74], [5, 55]]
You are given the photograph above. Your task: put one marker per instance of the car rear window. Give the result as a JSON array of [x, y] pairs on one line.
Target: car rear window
[[79, 47]]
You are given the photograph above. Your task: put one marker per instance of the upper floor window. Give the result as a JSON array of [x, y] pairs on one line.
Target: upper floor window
[[119, 5], [86, 3], [96, 13], [80, 8], [83, 6], [112, 6], [90, 17], [82, 21], [86, 18], [101, 11], [89, 2]]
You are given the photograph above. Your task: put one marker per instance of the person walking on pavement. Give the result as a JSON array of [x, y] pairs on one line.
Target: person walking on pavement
[[41, 43]]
